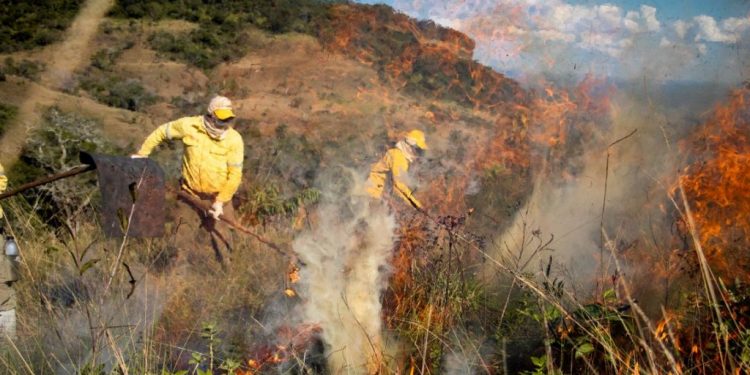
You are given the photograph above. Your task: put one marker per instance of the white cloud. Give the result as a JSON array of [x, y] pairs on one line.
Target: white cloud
[[609, 15], [664, 42], [681, 28], [649, 14], [736, 25], [631, 21], [609, 44], [555, 35], [566, 17], [709, 30]]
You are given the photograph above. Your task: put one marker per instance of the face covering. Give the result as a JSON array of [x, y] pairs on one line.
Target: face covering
[[213, 131], [407, 149]]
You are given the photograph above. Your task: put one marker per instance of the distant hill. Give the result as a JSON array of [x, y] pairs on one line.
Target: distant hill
[[339, 82]]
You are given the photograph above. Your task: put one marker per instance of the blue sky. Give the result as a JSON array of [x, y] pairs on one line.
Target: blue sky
[[658, 40], [674, 9]]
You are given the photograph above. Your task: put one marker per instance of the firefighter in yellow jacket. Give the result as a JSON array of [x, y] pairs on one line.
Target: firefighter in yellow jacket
[[389, 172], [212, 158]]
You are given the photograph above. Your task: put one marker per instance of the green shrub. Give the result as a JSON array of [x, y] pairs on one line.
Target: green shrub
[[7, 113], [53, 147], [220, 36], [25, 68], [25, 25], [105, 58], [116, 91]]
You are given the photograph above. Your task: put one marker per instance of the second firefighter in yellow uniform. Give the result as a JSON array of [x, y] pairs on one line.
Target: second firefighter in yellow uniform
[[388, 174]]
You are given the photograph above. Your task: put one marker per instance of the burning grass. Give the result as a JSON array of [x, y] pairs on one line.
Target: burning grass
[[183, 312], [716, 182]]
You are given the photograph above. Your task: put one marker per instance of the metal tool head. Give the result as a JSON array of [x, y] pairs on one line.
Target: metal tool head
[[132, 195]]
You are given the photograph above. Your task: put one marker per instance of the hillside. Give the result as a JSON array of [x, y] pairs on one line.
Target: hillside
[[593, 228]]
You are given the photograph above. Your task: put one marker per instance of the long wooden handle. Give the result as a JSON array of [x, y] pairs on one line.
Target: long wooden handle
[[48, 179], [234, 224]]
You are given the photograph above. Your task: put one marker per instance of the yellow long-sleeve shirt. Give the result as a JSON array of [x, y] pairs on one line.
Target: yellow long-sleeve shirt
[[208, 165], [3, 185], [391, 168]]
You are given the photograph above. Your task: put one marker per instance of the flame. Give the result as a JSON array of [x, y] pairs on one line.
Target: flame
[[296, 340], [716, 185]]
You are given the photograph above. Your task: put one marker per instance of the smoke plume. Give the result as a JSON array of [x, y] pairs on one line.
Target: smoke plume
[[617, 189], [346, 257]]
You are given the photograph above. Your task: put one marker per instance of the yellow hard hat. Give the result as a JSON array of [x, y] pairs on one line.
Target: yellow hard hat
[[416, 138], [221, 107]]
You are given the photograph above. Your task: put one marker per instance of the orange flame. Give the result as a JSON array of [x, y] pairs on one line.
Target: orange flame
[[716, 184]]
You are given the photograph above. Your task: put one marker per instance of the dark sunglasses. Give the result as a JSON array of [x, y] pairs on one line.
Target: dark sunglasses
[[223, 123]]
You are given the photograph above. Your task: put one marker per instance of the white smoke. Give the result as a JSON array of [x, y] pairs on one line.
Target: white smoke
[[466, 354], [570, 213], [346, 256]]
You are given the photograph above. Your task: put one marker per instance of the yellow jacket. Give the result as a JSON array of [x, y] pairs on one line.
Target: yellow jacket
[[3, 185], [391, 169], [209, 166]]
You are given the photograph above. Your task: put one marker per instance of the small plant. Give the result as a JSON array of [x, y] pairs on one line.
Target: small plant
[[116, 91], [7, 113], [25, 68], [105, 59]]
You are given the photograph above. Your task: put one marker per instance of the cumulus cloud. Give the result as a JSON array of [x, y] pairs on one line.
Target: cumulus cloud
[[681, 28], [736, 25], [709, 30], [649, 15], [631, 21]]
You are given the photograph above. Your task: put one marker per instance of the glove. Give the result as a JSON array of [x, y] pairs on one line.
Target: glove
[[136, 156], [217, 209]]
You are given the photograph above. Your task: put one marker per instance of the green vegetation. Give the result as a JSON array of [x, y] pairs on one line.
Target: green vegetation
[[25, 68], [7, 113], [53, 148], [222, 32], [105, 59], [111, 88], [26, 25], [285, 168], [117, 91]]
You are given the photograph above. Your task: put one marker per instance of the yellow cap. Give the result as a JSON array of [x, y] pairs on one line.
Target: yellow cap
[[221, 107], [416, 138], [223, 113]]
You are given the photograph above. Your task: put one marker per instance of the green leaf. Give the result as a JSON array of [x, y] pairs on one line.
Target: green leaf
[[195, 358], [539, 361], [584, 349], [88, 265], [609, 294]]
